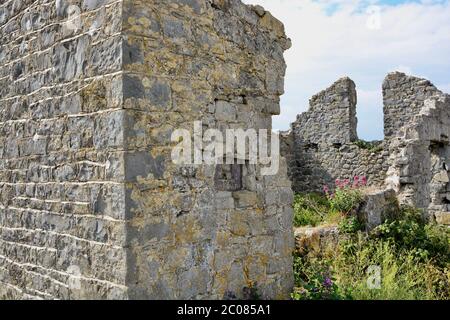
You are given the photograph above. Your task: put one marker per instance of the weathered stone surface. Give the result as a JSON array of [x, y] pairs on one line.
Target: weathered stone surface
[[378, 206], [91, 206], [413, 159], [316, 240], [320, 147], [443, 218], [420, 149]]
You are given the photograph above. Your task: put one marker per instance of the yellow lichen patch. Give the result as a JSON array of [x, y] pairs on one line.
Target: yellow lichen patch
[[272, 24], [151, 183], [161, 151], [93, 97], [218, 49], [144, 22], [177, 257], [250, 282], [162, 61], [220, 283], [146, 82], [151, 202], [238, 224], [223, 238], [134, 26], [187, 231], [255, 269]]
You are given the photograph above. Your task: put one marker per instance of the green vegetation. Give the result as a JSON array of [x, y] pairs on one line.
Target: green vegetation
[[310, 209], [346, 199], [314, 209], [373, 146], [350, 225], [407, 258]]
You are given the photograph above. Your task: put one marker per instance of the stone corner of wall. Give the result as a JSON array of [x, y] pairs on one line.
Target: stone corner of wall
[[342, 85], [263, 18]]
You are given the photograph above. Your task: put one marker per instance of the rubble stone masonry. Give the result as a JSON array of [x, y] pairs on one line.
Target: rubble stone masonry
[[413, 159], [321, 145]]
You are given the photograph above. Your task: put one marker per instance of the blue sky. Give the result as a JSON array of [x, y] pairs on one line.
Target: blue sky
[[362, 39]]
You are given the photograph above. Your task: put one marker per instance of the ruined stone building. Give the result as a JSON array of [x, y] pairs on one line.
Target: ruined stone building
[[413, 159], [91, 205]]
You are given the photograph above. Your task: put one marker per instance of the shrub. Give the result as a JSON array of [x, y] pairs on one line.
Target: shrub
[[310, 209], [348, 195], [413, 256], [403, 276], [374, 146], [411, 232], [314, 281], [313, 209], [346, 200], [350, 225]]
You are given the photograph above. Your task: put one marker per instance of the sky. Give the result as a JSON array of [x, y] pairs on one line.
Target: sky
[[364, 40]]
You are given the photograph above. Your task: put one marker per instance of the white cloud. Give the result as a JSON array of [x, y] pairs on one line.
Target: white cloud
[[333, 38], [444, 88]]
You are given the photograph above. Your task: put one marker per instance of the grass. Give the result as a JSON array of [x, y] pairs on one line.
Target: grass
[[310, 209], [403, 274], [314, 209], [370, 146], [406, 258]]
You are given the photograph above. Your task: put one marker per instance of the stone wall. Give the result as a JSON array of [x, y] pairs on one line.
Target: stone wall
[[91, 205], [331, 118], [221, 63], [420, 153], [413, 159], [321, 145], [62, 216], [403, 99]]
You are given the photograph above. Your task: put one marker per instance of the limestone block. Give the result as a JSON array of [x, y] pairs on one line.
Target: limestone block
[[225, 111], [443, 218], [316, 240], [378, 206], [246, 199]]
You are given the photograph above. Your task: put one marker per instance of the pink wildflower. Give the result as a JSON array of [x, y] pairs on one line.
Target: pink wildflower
[[364, 181], [356, 182], [346, 182]]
